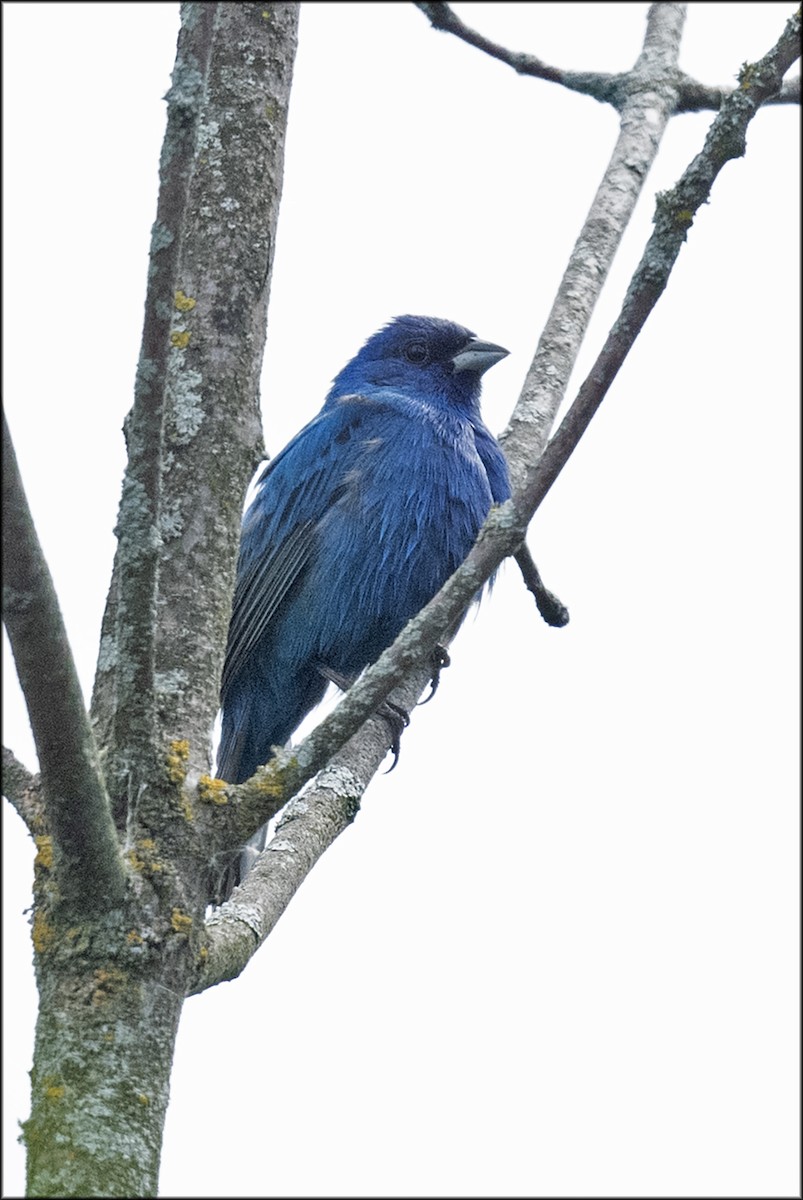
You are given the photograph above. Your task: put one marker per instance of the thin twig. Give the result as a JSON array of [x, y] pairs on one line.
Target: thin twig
[[599, 84], [553, 610]]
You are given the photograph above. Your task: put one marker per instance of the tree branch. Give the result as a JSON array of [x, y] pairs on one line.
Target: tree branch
[[599, 84], [692, 96], [310, 825], [675, 211], [205, 323], [698, 97], [138, 532], [213, 432], [553, 611], [644, 117], [87, 862], [23, 790]]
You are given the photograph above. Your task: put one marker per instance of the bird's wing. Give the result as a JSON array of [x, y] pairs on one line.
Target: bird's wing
[[494, 462], [296, 490], [259, 592]]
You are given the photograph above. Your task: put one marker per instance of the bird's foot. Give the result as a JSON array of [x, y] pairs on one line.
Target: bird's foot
[[440, 660], [396, 717]]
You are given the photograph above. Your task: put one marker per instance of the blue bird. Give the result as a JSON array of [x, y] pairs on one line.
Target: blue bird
[[356, 524]]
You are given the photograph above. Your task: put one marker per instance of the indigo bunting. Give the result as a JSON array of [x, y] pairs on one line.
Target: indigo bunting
[[355, 525]]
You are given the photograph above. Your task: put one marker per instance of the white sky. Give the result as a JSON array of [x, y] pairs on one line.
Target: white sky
[[557, 952]]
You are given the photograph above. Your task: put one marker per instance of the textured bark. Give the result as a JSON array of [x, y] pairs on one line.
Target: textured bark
[[231, 90], [112, 985], [648, 95], [213, 435], [692, 96], [309, 826], [100, 1082]]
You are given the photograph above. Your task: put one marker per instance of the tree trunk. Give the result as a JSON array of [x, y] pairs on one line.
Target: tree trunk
[[113, 974], [100, 1081]]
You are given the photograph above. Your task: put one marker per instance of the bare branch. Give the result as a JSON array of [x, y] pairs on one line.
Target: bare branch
[[86, 856], [642, 124], [698, 97], [692, 96], [314, 820], [23, 790], [674, 216], [553, 611], [599, 84]]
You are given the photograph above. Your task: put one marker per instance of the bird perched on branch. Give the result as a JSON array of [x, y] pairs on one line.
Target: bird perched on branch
[[356, 524]]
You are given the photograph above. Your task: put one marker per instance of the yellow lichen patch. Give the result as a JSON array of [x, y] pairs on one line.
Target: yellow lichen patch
[[746, 75], [142, 856], [684, 217], [55, 1092], [143, 1099], [269, 782], [77, 937], [178, 755], [183, 303], [44, 852], [180, 339], [212, 791], [203, 953], [134, 937], [106, 983], [181, 921], [42, 934]]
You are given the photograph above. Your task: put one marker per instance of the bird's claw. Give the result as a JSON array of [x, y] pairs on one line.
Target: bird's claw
[[398, 719], [440, 660]]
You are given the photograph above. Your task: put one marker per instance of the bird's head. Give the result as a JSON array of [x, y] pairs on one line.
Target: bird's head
[[423, 357]]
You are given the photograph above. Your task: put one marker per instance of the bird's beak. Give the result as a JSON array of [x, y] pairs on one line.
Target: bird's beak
[[478, 356]]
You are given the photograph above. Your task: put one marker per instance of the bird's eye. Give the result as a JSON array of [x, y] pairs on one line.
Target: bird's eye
[[416, 353]]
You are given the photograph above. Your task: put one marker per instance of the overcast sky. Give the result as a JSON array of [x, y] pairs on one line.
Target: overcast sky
[[557, 952]]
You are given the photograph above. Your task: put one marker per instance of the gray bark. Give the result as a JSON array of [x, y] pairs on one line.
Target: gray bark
[[112, 979]]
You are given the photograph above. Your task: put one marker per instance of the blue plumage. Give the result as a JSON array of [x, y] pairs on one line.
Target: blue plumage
[[356, 524]]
